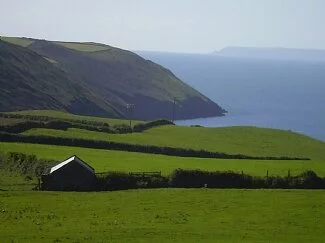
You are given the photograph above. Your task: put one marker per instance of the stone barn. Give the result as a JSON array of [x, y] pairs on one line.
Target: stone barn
[[73, 174]]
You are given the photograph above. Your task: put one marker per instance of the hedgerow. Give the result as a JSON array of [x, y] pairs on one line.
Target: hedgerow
[[171, 151]]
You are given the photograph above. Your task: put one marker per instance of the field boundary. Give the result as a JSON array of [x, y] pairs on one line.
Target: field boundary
[[65, 123], [150, 149]]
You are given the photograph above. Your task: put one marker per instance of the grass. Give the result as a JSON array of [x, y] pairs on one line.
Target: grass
[[232, 140], [168, 215], [15, 182], [21, 41], [65, 115], [84, 47], [106, 160]]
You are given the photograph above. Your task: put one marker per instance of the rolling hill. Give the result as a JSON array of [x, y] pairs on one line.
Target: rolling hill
[[93, 79]]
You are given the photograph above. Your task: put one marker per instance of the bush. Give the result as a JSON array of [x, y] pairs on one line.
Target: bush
[[24, 164], [121, 181], [116, 181], [308, 180], [158, 182], [217, 179]]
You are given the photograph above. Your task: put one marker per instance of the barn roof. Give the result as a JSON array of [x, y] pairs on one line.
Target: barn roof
[[72, 158]]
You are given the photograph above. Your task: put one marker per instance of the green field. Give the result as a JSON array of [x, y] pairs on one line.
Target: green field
[[18, 40], [168, 215], [107, 160], [232, 140], [65, 115], [15, 182], [85, 47]]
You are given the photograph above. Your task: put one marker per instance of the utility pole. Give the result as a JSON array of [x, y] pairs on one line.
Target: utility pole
[[130, 108], [174, 103]]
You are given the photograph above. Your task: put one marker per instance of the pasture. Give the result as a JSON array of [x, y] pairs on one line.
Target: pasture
[[15, 182], [232, 140], [17, 40], [84, 47], [164, 215], [64, 115], [109, 160]]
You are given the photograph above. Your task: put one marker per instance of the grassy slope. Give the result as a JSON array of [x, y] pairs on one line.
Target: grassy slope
[[29, 81], [242, 140], [65, 115], [84, 47], [170, 215], [106, 160], [118, 77], [24, 42], [107, 53]]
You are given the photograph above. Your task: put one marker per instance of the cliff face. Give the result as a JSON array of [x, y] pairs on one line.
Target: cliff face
[[94, 79]]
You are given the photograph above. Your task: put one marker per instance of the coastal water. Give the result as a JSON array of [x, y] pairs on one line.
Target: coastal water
[[283, 94]]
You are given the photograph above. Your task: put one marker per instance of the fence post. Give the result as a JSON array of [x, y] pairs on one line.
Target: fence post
[[267, 174], [288, 173]]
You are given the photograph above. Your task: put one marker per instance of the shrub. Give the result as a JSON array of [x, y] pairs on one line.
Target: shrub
[[24, 164], [116, 181], [308, 179], [217, 179]]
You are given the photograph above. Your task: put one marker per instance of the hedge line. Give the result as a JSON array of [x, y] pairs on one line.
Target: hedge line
[[206, 179], [47, 118], [121, 181], [55, 124], [63, 124], [144, 126], [31, 165], [112, 181], [180, 152]]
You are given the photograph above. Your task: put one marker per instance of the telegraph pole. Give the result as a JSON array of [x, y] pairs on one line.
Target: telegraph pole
[[130, 108], [174, 103]]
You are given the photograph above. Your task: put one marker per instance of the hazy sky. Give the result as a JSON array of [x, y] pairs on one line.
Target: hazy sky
[[169, 25]]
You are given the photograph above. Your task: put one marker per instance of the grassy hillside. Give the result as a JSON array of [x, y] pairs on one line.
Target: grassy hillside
[[24, 42], [164, 216], [108, 160], [168, 215], [113, 76], [85, 47], [232, 140], [29, 81], [69, 116]]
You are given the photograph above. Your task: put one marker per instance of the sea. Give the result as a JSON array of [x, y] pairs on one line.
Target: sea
[[282, 94]]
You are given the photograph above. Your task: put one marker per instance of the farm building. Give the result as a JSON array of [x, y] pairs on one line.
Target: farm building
[[73, 174]]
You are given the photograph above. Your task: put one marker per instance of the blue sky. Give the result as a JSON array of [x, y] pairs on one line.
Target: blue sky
[[170, 25]]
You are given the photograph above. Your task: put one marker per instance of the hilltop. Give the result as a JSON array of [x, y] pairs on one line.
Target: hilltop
[[93, 79]]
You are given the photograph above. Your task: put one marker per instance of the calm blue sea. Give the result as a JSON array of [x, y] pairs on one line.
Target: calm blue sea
[[287, 95]]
